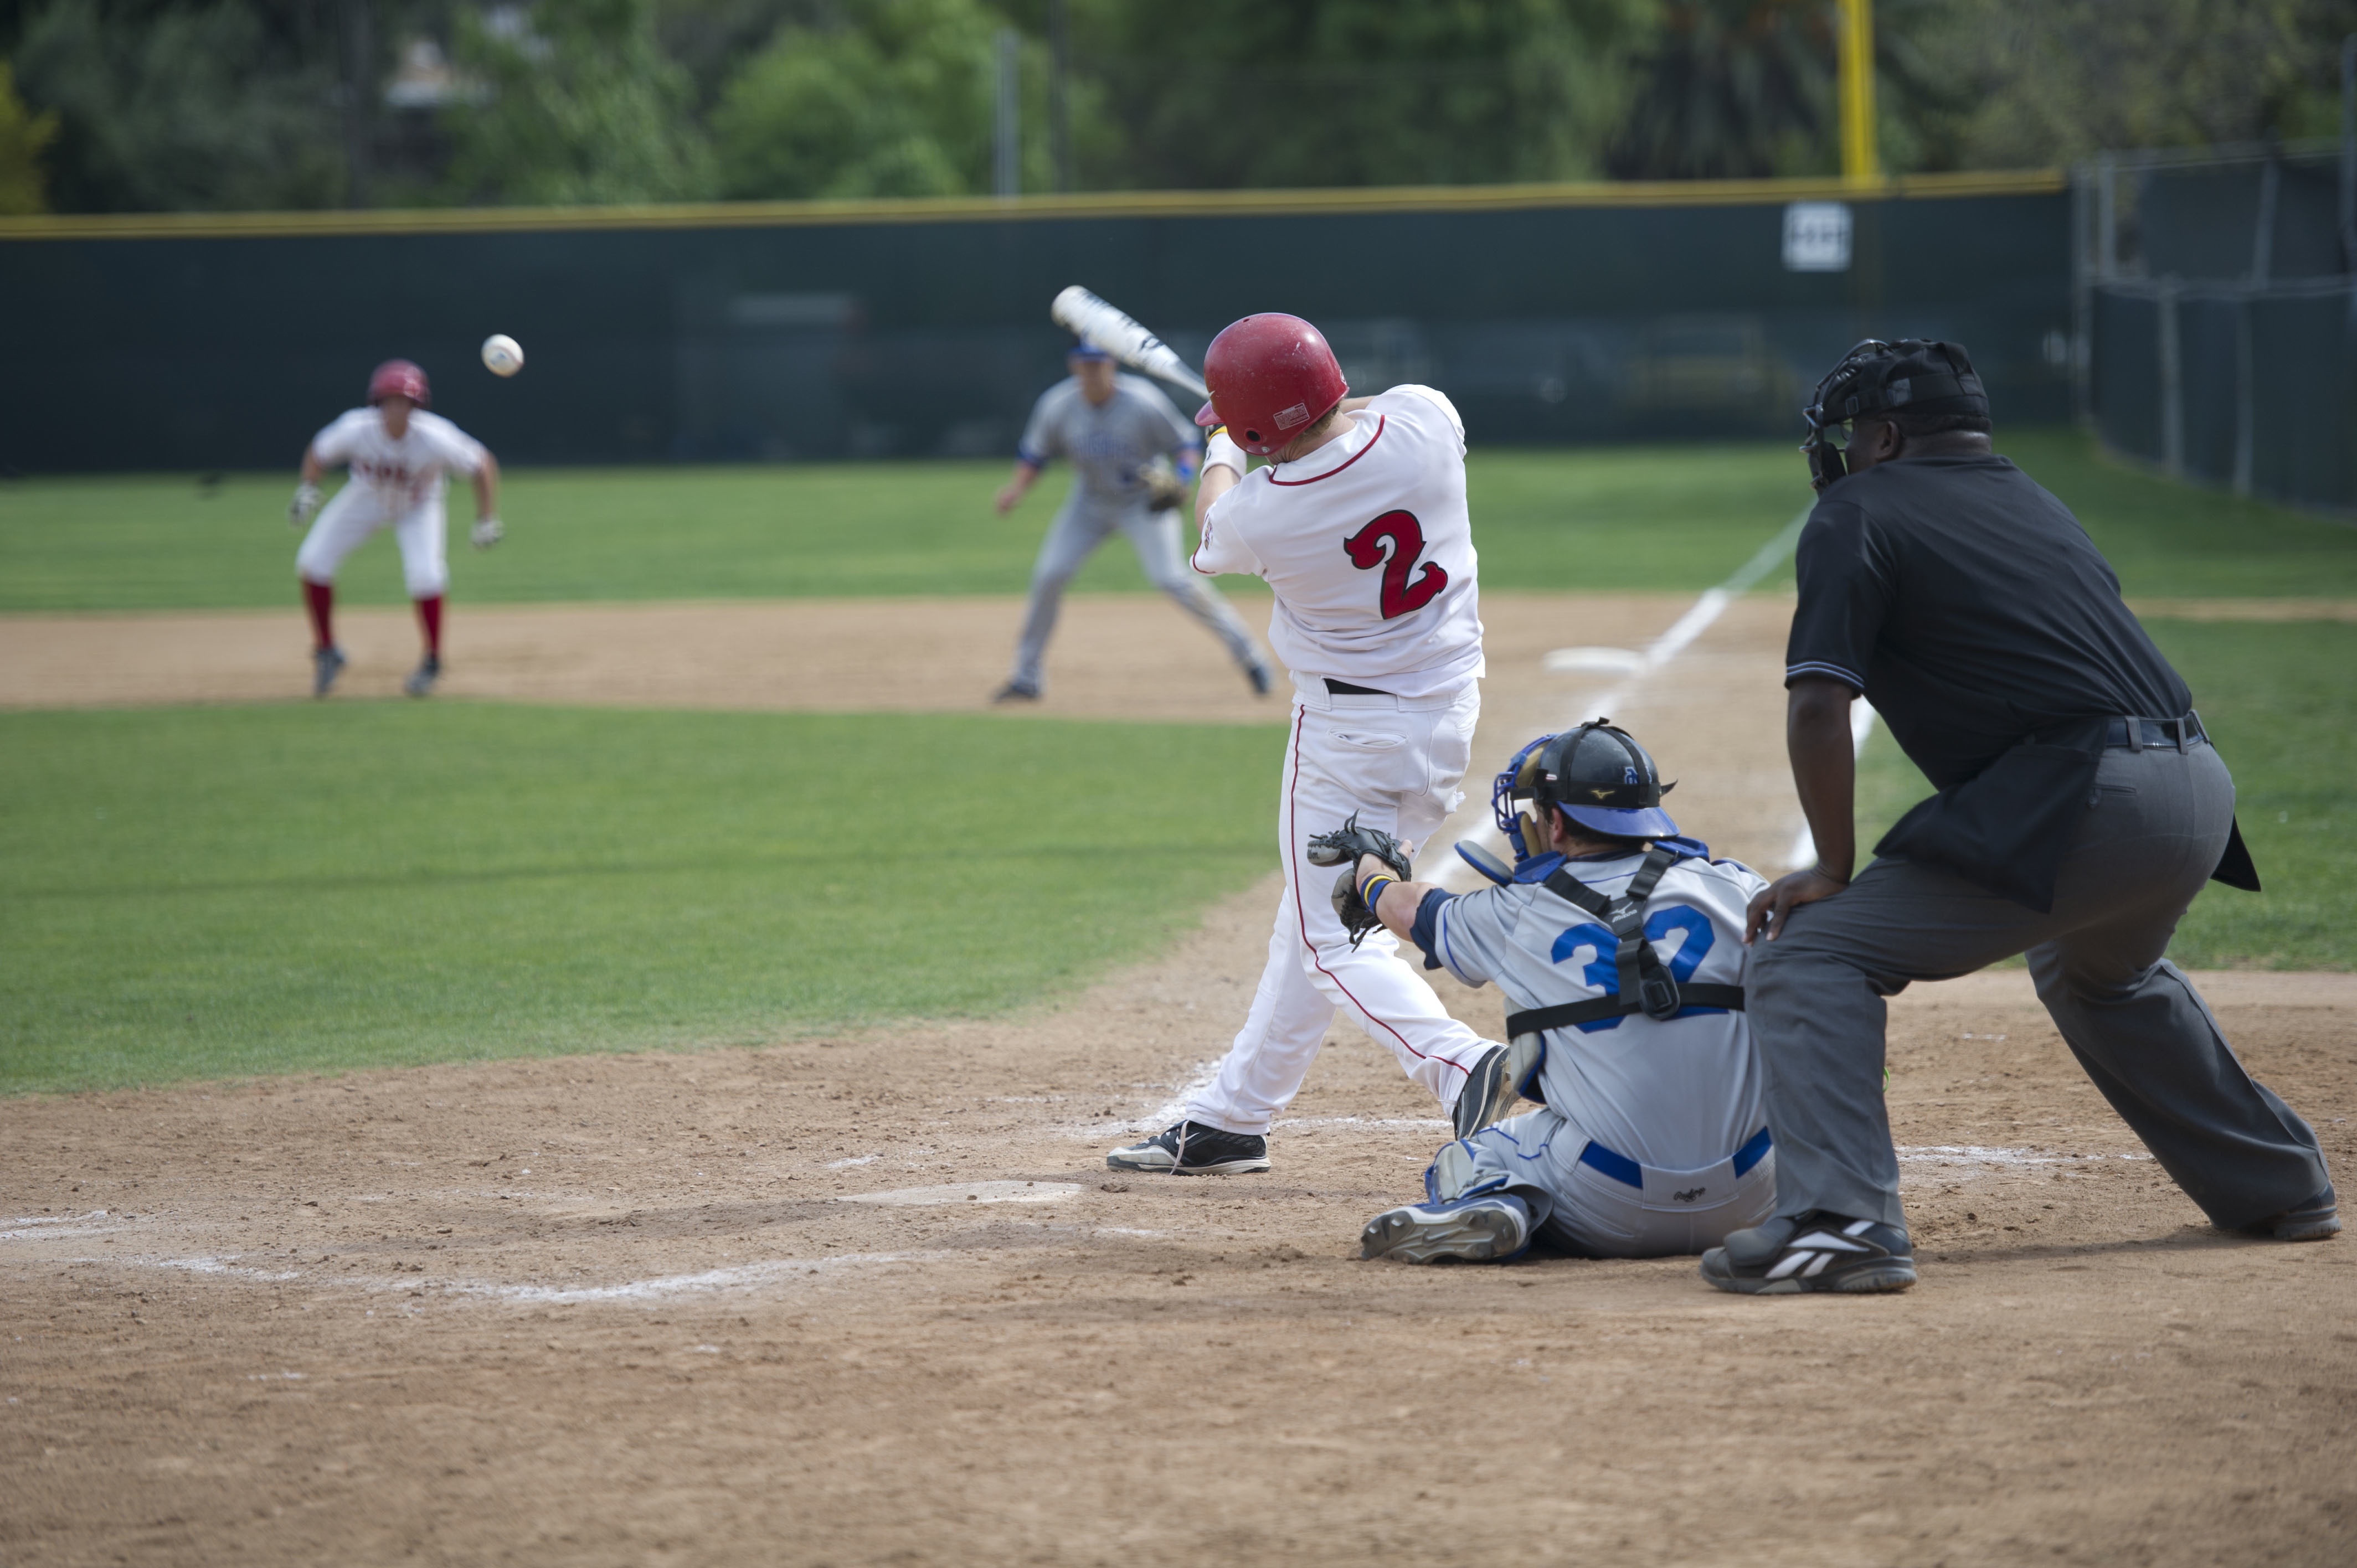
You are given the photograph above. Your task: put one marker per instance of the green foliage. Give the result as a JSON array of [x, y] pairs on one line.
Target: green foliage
[[581, 106], [2277, 700], [1241, 92], [185, 108], [23, 137], [895, 99], [219, 891], [2036, 82]]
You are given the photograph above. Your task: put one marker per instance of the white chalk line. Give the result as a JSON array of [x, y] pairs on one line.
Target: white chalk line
[[1978, 1155], [1449, 869]]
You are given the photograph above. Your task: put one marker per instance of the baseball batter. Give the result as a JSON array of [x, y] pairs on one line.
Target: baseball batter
[[1619, 947], [1131, 453], [398, 453], [1359, 525]]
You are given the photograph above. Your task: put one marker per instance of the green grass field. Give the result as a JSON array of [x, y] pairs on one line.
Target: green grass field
[[1639, 518], [2279, 702], [227, 891]]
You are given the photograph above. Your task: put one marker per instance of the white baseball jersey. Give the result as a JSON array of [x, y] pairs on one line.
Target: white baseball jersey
[[1109, 447], [404, 473], [1677, 1093], [1369, 546]]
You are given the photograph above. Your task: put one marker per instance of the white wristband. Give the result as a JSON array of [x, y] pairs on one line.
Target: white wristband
[[1222, 449]]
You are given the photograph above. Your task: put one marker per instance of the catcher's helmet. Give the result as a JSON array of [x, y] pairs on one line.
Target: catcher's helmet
[[1876, 377], [1597, 775], [398, 378], [1270, 376]]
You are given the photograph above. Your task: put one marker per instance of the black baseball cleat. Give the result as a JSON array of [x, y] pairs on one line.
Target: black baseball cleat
[[1489, 1090], [1813, 1251], [1190, 1148], [2314, 1220], [326, 663], [1489, 1228], [420, 680], [1015, 691]]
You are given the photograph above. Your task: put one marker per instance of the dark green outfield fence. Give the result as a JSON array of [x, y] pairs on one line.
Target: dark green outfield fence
[[873, 329]]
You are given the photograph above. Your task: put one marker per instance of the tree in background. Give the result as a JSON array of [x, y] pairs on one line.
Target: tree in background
[[893, 99], [23, 135], [173, 108], [2049, 81], [580, 106], [1239, 93]]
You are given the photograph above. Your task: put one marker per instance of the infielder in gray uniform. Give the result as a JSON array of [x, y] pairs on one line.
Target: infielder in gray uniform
[[1131, 453], [1619, 947]]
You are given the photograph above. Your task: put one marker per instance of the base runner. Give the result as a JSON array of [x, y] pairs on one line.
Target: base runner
[[1619, 947], [398, 453], [1359, 522], [1132, 454]]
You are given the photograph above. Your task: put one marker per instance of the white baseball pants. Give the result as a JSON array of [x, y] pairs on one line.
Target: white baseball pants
[[1397, 767], [1079, 527], [358, 511]]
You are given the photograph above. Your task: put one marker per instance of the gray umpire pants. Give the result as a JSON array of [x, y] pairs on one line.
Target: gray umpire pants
[[2135, 1021], [1083, 524]]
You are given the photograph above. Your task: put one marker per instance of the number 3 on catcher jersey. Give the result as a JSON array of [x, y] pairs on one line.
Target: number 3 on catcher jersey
[[1405, 590]]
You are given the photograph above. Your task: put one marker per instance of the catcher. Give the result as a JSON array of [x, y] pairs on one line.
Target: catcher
[[1619, 947], [1122, 437]]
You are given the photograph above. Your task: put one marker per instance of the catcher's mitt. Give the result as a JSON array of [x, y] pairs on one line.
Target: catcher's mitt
[[1164, 488], [1342, 847]]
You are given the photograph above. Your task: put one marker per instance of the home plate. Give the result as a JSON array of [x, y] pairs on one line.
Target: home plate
[[969, 1192], [1592, 660]]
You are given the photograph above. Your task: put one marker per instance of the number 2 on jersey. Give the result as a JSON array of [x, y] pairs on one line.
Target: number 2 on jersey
[[1403, 594]]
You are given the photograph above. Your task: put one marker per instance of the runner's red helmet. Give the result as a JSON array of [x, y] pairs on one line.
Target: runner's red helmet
[[398, 378], [1272, 377]]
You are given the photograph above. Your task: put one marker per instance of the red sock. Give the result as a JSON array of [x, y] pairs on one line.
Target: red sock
[[319, 598], [429, 619]]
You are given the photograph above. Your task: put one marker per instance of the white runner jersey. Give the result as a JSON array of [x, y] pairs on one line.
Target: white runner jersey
[[1369, 546], [1677, 1094], [403, 472]]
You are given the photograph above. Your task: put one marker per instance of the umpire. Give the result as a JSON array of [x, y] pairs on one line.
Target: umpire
[[2080, 810]]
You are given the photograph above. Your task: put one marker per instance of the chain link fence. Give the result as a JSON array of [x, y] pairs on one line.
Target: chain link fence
[[2217, 316]]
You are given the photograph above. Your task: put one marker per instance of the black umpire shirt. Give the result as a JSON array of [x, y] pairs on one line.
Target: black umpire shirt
[[1973, 612]]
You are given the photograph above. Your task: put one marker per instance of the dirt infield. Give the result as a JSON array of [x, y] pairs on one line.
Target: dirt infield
[[875, 1300]]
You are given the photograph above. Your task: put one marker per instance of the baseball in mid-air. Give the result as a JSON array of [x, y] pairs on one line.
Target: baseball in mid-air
[[502, 355]]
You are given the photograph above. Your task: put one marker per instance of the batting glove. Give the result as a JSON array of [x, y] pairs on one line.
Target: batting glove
[[487, 532], [305, 502], [1222, 449]]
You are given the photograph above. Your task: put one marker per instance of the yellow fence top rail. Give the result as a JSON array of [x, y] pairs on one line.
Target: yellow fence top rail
[[1023, 209]]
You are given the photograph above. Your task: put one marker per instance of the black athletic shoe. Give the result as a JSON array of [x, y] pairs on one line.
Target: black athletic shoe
[[2314, 1220], [1490, 1229], [1189, 1148], [420, 680], [1812, 1252], [1489, 1090], [326, 663], [1015, 691]]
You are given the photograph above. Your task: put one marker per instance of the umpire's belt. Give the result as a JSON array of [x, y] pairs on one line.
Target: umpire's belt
[[2135, 735], [1697, 1189]]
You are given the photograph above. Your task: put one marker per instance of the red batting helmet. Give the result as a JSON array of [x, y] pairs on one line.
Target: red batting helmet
[[398, 378], [1272, 377]]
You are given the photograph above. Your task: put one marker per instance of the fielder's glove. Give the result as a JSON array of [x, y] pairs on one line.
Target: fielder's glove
[[487, 533], [305, 502], [1164, 488], [1343, 847]]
